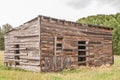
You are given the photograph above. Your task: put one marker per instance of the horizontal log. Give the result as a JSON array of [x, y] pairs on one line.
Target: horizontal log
[[68, 50], [69, 56], [90, 45], [80, 62], [88, 36], [26, 36], [101, 57], [26, 58], [21, 42], [16, 54], [17, 48], [30, 64], [17, 60], [94, 42], [33, 59], [73, 29], [84, 55], [97, 33], [83, 45], [82, 49], [107, 38]]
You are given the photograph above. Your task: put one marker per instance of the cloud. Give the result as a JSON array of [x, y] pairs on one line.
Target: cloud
[[78, 4], [113, 3]]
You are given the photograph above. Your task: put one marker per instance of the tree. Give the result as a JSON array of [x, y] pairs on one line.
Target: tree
[[1, 41], [5, 28]]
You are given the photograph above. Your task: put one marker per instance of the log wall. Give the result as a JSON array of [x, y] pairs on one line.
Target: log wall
[[98, 40], [27, 37], [36, 39]]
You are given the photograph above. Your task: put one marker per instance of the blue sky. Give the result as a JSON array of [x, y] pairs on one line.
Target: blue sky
[[16, 12]]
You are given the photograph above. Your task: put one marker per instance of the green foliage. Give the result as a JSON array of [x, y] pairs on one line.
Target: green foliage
[[5, 28], [112, 21], [2, 67], [56, 78], [1, 41]]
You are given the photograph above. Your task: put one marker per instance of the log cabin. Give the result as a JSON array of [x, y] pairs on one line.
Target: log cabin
[[50, 44]]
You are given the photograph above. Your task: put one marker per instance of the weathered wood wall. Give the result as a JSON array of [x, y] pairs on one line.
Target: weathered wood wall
[[34, 38], [27, 37], [99, 40]]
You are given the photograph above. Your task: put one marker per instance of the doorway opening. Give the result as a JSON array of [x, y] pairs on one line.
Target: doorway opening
[[17, 57]]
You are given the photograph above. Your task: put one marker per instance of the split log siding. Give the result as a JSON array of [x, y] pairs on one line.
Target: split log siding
[[26, 37], [97, 39], [37, 40]]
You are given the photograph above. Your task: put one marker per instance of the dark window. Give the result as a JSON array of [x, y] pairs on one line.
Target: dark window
[[59, 47], [81, 42], [17, 46], [81, 52], [59, 44], [17, 51], [17, 57], [81, 47]]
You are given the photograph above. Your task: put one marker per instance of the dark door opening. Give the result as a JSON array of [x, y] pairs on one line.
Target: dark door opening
[[81, 52], [17, 57]]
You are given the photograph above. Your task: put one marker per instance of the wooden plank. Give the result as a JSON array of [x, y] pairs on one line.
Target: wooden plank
[[26, 36], [97, 58], [30, 64], [96, 33], [26, 58], [17, 60], [17, 49], [82, 49], [39, 25], [69, 56], [83, 56], [83, 45], [16, 54], [94, 42], [55, 65], [23, 42], [33, 59], [80, 62]]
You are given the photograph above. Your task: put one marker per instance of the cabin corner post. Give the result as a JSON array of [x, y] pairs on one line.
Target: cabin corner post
[[112, 52], [4, 52], [39, 25], [6, 62]]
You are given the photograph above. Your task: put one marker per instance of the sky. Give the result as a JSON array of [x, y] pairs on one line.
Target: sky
[[17, 12]]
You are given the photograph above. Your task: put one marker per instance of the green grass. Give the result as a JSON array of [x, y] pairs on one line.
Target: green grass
[[99, 73]]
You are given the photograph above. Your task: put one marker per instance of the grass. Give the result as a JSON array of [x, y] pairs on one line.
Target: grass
[[99, 73]]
